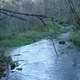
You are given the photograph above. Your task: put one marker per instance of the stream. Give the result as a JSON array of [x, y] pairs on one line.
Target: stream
[[38, 61]]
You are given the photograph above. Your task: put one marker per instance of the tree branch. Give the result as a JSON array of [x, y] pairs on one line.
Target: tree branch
[[25, 14], [11, 15], [20, 15], [41, 19]]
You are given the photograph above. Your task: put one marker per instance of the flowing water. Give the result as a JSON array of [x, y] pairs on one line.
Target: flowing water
[[38, 61]]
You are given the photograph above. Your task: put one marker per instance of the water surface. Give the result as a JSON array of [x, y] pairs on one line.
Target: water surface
[[40, 62]]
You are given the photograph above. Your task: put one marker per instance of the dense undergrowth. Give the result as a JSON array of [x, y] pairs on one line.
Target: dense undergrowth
[[23, 38], [75, 38], [5, 62]]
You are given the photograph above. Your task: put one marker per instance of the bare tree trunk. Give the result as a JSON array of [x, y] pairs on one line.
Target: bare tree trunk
[[75, 14]]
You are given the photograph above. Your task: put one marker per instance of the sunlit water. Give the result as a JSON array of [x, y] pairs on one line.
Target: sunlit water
[[40, 62]]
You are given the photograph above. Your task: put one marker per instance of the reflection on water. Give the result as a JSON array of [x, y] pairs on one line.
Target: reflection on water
[[40, 63]]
